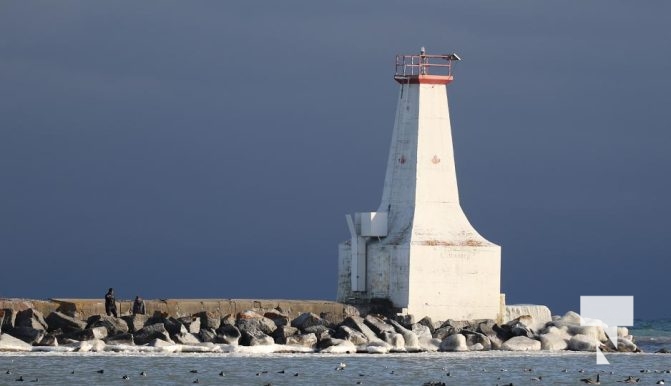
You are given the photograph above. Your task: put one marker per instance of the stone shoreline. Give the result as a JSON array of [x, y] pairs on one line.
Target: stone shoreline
[[296, 326]]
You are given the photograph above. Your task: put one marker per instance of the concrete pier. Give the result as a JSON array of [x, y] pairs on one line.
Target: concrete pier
[[332, 311]]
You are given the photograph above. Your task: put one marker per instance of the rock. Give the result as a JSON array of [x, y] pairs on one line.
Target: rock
[[186, 338], [553, 342], [443, 332], [405, 320], [58, 320], [595, 332], [378, 347], [625, 345], [135, 322], [228, 334], [521, 343], [582, 342], [148, 333], [411, 339], [519, 327], [308, 319], [426, 321], [569, 319], [205, 335], [250, 320], [160, 343], [48, 340], [494, 333], [175, 327], [255, 337], [457, 325], [395, 340], [228, 320], [27, 334], [476, 347], [7, 319], [113, 325], [456, 342], [357, 323], [10, 343], [209, 320], [423, 332], [473, 338], [31, 318], [350, 334], [378, 325], [622, 332], [278, 317], [125, 338], [192, 324], [281, 334], [304, 340]]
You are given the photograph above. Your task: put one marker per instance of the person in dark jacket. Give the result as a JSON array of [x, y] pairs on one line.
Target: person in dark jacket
[[138, 306], [110, 303]]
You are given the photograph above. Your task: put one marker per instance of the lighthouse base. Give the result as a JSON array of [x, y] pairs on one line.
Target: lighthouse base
[[420, 279]]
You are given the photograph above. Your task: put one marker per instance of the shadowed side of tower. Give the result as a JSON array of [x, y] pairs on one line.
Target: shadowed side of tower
[[419, 250]]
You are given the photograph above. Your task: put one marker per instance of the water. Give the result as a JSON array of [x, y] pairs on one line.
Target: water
[[256, 368]]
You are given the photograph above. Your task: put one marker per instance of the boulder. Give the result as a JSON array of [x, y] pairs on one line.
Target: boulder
[[48, 340], [304, 340], [378, 325], [113, 325], [28, 334], [395, 340], [60, 321], [456, 325], [625, 345], [553, 342], [192, 323], [347, 333], [10, 343], [474, 338], [281, 334], [494, 333], [125, 338], [209, 320], [357, 323], [521, 343], [595, 332], [186, 338], [456, 342], [278, 317], [228, 334], [569, 319], [7, 319], [255, 337], [426, 321], [30, 318], [308, 319], [518, 327], [423, 332], [205, 335], [336, 346], [582, 342], [135, 322], [378, 347], [228, 320], [443, 332], [88, 334], [250, 320], [148, 333], [411, 339], [476, 347], [160, 343], [174, 326]]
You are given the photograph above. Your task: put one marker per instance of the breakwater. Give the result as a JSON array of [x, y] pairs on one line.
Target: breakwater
[[221, 325]]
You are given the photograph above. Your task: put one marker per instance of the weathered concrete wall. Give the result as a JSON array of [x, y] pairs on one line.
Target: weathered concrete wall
[[332, 311]]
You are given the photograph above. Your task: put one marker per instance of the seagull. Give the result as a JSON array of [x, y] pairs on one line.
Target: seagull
[[125, 377], [538, 378], [528, 370], [341, 366], [591, 381]]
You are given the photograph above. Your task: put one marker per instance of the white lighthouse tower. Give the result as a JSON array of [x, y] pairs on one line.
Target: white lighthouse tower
[[419, 251]]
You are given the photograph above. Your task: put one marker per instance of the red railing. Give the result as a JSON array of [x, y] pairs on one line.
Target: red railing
[[424, 64]]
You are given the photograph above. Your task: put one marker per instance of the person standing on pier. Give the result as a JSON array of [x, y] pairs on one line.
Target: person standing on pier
[[110, 303]]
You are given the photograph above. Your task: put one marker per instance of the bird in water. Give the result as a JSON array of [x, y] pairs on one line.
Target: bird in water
[[630, 379], [591, 381], [341, 366], [100, 371], [193, 371], [196, 380], [660, 382], [143, 374], [280, 372], [35, 380], [537, 379], [19, 379], [126, 377], [8, 372], [221, 374]]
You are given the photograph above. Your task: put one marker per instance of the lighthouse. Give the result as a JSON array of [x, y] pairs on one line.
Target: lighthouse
[[418, 252]]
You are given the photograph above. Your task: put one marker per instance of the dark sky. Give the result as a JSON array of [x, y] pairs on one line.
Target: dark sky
[[212, 149]]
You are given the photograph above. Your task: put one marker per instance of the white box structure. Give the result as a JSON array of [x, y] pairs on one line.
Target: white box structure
[[429, 261]]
